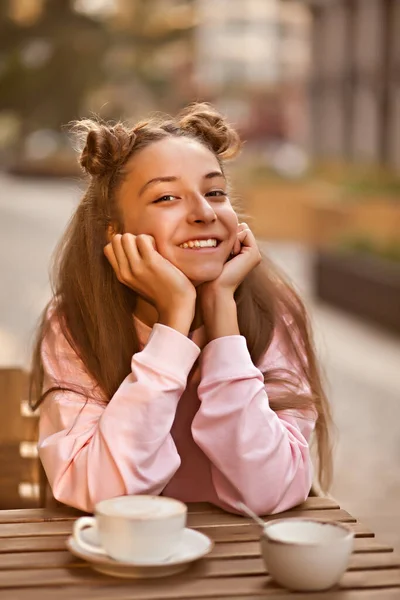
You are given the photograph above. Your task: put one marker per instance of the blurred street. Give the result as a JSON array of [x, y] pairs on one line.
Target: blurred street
[[361, 363]]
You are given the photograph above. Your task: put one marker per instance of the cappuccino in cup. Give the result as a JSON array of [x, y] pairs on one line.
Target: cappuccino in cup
[[137, 529]]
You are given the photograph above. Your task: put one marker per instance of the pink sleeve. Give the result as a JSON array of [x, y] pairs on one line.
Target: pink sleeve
[[259, 457], [91, 450]]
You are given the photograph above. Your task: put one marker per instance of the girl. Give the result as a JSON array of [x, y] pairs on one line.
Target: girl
[[172, 359]]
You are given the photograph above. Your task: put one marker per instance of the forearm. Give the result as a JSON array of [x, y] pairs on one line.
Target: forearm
[[220, 315], [259, 457], [92, 450], [95, 464]]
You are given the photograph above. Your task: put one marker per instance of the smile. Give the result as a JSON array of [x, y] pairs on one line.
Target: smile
[[196, 244]]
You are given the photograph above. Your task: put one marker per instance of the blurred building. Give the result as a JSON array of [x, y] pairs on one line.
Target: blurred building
[[252, 55], [355, 79], [254, 42]]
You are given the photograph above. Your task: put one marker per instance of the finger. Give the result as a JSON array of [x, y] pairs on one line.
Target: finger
[[122, 259], [110, 255], [250, 246], [146, 246], [128, 242], [242, 226], [236, 247], [246, 237]]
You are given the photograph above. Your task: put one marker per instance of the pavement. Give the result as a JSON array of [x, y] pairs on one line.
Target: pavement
[[361, 363]]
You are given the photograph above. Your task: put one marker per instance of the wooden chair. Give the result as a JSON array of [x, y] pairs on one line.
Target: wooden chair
[[22, 479]]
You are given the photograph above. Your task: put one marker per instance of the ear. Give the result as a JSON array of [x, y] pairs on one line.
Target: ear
[[112, 229]]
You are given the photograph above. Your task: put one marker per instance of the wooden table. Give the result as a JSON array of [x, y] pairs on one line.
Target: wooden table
[[34, 563]]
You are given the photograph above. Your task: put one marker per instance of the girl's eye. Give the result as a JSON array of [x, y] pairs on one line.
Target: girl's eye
[[216, 193], [166, 198]]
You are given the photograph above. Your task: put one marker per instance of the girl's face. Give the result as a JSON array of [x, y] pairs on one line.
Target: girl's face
[[176, 192]]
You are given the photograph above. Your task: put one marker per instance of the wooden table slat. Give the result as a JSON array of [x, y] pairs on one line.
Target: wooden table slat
[[34, 561], [334, 594], [202, 522], [56, 543], [180, 587], [312, 503], [32, 544], [212, 567], [250, 532], [125, 593], [65, 513], [38, 515], [246, 549], [214, 520]]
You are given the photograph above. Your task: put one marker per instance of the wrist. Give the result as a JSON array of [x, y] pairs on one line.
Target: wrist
[[216, 296], [179, 317], [220, 315]]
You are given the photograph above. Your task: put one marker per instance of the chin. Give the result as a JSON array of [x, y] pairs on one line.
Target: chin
[[203, 275]]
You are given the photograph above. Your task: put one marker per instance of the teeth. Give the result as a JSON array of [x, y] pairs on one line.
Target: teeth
[[211, 243]]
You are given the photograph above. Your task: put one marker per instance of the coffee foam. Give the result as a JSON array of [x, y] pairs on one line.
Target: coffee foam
[[141, 507]]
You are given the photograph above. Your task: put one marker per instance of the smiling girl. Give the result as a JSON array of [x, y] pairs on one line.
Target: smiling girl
[[173, 359]]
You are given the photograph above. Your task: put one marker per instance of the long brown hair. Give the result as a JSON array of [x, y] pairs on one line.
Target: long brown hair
[[95, 310]]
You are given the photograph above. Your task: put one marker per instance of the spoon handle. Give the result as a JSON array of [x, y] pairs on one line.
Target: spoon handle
[[242, 507]]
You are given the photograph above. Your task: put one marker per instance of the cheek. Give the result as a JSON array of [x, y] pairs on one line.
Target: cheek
[[230, 220], [147, 226]]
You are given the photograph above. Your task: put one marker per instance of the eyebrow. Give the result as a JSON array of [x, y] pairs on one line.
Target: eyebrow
[[170, 178]]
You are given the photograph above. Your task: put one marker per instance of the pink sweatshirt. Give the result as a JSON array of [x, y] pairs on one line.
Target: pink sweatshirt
[[191, 421]]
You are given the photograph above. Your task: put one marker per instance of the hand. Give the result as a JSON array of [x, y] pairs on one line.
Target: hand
[[139, 266], [218, 305], [246, 256]]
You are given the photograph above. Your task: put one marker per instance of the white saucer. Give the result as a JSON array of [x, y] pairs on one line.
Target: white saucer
[[194, 545]]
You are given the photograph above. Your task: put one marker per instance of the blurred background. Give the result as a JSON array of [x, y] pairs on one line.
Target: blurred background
[[314, 88]]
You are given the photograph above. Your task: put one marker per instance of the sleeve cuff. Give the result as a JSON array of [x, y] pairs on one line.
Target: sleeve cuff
[[227, 358], [170, 351]]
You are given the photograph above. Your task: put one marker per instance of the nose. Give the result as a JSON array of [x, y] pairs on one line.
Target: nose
[[201, 211]]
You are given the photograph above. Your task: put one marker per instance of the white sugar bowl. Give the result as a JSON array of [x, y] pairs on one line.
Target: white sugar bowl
[[305, 554]]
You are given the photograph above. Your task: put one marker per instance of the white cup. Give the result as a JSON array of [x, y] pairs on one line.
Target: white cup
[[304, 554], [138, 529]]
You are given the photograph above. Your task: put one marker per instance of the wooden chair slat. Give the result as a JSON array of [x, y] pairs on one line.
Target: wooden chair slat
[[13, 388], [17, 429], [11, 462]]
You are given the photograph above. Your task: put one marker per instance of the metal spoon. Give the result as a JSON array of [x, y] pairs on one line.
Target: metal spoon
[[250, 513]]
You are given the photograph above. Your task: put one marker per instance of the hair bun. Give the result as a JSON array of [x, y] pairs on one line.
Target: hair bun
[[209, 125], [104, 146]]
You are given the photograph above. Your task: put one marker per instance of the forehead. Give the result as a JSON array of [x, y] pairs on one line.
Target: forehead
[[172, 157]]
